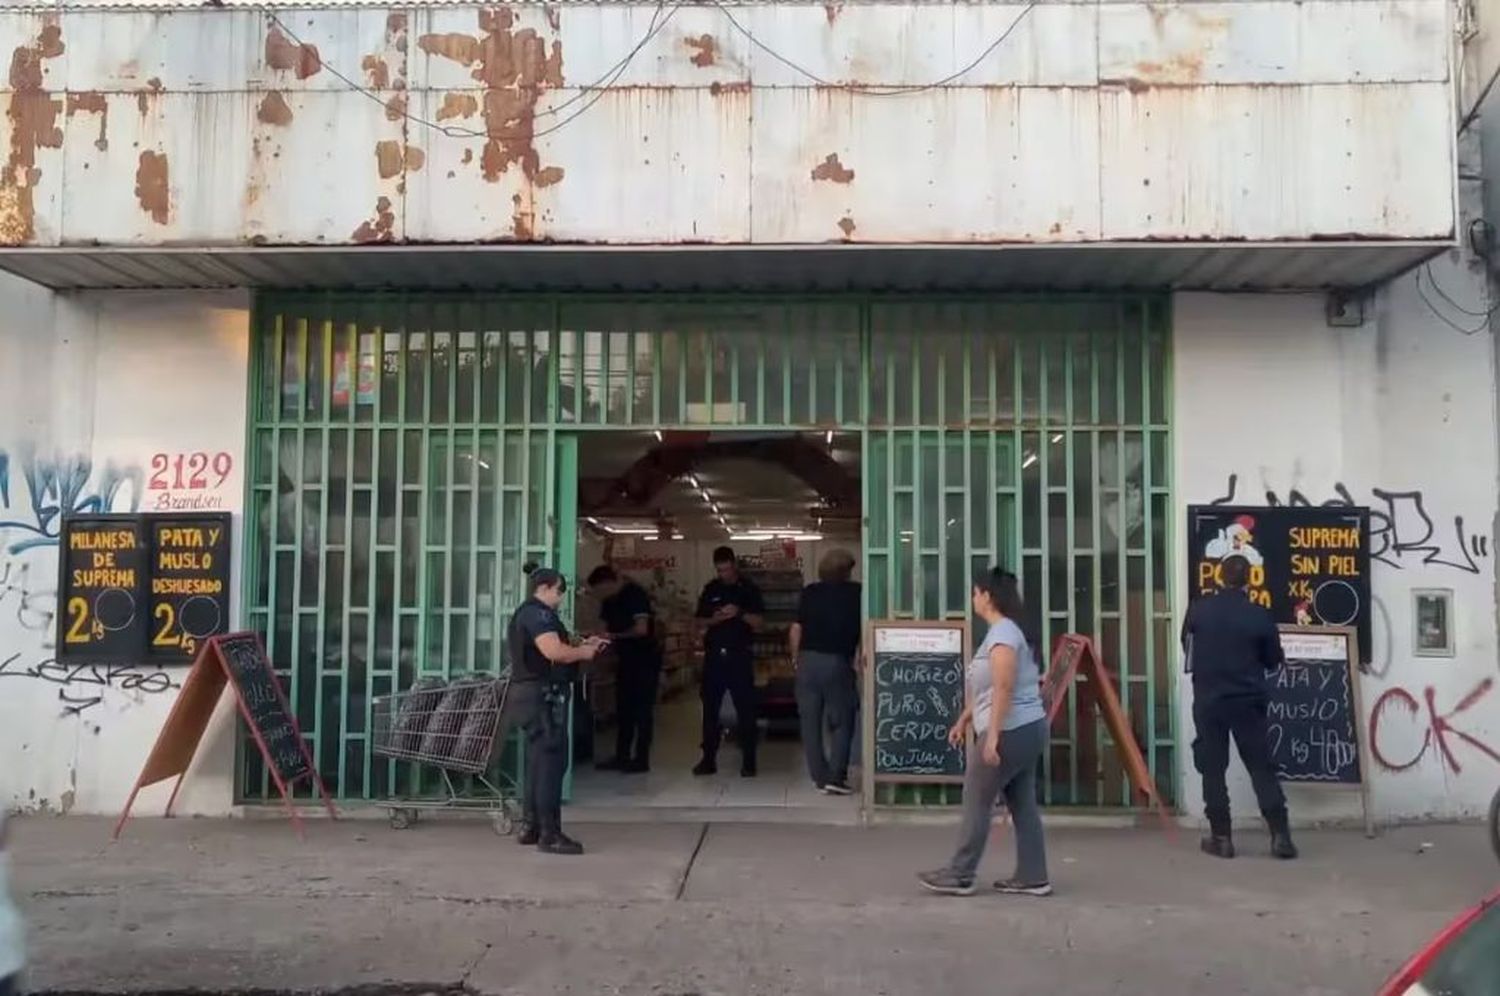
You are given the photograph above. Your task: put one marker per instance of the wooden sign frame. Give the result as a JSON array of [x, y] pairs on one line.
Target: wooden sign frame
[[1085, 654], [182, 733], [868, 777], [1350, 635]]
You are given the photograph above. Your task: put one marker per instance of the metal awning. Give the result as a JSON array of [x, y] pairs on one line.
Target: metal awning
[[1279, 266]]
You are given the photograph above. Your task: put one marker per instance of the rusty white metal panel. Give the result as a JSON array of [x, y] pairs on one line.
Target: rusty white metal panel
[[1000, 164], [914, 45], [1250, 41], [151, 52], [676, 170], [687, 47], [1277, 162]]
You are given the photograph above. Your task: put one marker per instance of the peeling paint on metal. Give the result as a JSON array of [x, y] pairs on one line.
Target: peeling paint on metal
[[458, 105], [523, 220], [719, 89], [377, 73], [143, 96], [549, 175], [380, 228], [846, 225], [832, 170], [286, 56], [554, 18], [395, 108], [392, 159], [92, 102], [33, 124], [832, 10], [706, 48], [515, 67], [153, 186], [273, 110]]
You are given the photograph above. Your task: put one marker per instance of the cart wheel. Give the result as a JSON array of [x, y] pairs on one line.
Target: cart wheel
[[400, 819], [503, 823]]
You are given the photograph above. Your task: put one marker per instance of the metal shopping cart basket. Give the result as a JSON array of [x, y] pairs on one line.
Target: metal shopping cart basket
[[450, 726]]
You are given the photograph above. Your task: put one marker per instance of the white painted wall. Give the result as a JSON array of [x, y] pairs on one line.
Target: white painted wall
[[92, 387], [1265, 390]]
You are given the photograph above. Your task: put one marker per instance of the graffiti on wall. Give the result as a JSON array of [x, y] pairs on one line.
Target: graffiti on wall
[[1403, 533], [81, 687], [36, 492], [1398, 715]]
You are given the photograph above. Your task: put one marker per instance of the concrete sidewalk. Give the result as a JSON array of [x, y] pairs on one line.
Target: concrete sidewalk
[[228, 906]]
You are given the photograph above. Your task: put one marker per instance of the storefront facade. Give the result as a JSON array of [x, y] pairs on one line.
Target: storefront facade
[[1045, 360]]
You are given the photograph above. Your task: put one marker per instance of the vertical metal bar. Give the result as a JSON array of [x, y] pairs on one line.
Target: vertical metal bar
[[1148, 497], [372, 576], [351, 332], [1122, 527]]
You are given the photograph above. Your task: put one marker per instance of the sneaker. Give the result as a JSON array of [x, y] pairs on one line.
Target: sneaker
[[559, 843], [1012, 887], [1282, 846], [707, 766], [529, 835], [837, 788], [1219, 847], [946, 882]]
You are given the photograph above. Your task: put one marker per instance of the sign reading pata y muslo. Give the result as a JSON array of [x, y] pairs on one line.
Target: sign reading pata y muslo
[[1309, 566]]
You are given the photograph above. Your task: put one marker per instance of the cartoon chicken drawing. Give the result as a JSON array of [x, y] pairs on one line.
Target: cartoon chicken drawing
[[1302, 611], [1236, 540]]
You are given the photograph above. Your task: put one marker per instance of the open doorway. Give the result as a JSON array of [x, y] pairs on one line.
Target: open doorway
[[655, 506]]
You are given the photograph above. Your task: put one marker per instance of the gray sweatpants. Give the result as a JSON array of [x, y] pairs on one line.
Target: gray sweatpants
[[827, 694], [1020, 750]]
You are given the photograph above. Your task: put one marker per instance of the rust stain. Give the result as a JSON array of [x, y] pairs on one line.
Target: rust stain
[[833, 10], [458, 105], [33, 124], [415, 159], [395, 108], [1056, 228], [273, 110], [388, 158], [1184, 67], [707, 49], [719, 89], [143, 96], [90, 102], [152, 186], [521, 220], [376, 71], [286, 56], [395, 31], [468, 156], [833, 170], [846, 225], [379, 228], [549, 175], [554, 18], [463, 49]]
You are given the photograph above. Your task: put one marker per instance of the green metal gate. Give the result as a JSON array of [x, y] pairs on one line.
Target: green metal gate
[[410, 453]]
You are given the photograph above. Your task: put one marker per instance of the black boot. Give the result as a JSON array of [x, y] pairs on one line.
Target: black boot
[[1281, 835], [1218, 845], [557, 842], [707, 766], [529, 834]]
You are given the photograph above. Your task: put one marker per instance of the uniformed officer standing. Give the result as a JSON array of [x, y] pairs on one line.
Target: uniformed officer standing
[[733, 606], [1232, 644], [542, 667], [625, 609]]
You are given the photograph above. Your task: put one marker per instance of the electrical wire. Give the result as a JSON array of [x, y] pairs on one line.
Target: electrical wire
[[1484, 316], [870, 91]]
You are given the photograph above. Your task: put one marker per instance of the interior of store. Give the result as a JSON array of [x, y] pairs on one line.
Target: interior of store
[[655, 506]]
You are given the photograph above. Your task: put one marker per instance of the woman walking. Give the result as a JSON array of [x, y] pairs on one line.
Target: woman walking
[[824, 642], [1005, 715]]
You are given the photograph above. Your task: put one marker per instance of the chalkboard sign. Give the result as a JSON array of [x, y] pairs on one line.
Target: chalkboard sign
[[1312, 727], [103, 565], [190, 555], [264, 707], [1309, 565], [916, 691]]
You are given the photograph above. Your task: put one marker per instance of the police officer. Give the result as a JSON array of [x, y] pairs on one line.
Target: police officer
[[1232, 644], [625, 610], [542, 667], [734, 610]]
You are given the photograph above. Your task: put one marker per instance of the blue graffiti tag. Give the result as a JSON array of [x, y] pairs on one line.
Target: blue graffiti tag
[[57, 487]]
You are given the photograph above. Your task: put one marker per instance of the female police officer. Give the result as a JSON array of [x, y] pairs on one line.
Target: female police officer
[[542, 666]]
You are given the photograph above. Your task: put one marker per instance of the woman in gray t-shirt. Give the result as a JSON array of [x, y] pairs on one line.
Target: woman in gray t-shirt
[[1009, 724]]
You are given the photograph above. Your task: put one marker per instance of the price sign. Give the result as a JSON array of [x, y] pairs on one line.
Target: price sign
[[190, 557], [103, 567]]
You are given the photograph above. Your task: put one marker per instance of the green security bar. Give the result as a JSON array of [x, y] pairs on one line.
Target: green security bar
[[409, 452]]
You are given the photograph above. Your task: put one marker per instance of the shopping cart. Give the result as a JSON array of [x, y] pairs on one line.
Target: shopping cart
[[450, 726]]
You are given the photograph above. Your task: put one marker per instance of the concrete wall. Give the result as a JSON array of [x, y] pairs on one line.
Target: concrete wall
[[1398, 415], [96, 393], [1073, 122]]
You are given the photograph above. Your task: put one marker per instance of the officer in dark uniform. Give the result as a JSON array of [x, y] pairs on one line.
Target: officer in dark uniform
[[734, 609], [625, 610], [1232, 644], [542, 667]]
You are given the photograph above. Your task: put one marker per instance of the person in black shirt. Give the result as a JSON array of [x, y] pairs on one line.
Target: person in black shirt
[[542, 667], [733, 606], [1231, 645], [625, 609], [824, 642]]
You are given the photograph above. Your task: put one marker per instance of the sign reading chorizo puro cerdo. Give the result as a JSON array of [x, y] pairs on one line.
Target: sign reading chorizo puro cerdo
[[102, 588], [1309, 566], [918, 693], [189, 583]]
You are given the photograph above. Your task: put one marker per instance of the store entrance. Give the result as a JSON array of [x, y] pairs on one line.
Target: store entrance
[[655, 506]]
